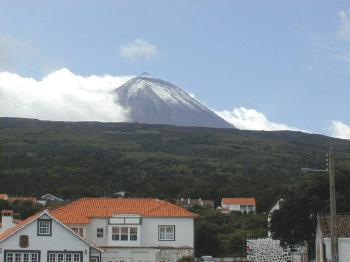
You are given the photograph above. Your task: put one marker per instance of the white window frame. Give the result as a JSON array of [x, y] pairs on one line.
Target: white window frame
[[128, 234], [44, 227], [78, 230], [21, 256], [164, 233], [72, 256]]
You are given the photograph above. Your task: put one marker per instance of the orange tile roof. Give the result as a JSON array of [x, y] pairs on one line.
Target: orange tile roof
[[3, 196], [31, 199], [239, 201], [4, 211], [342, 225], [82, 210]]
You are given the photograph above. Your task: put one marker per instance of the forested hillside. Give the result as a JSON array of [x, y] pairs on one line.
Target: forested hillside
[[97, 159]]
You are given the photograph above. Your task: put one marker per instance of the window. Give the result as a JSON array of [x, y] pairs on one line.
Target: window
[[166, 233], [9, 257], [64, 256], [68, 257], [34, 257], [76, 258], [60, 257], [124, 233], [17, 257], [78, 230], [133, 233], [23, 256], [44, 227], [52, 257], [115, 233], [99, 232]]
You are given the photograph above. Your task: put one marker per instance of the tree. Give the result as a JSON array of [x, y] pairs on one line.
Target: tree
[[25, 208], [295, 222], [4, 205]]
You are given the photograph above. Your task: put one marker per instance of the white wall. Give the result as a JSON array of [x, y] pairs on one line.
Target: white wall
[[60, 240], [343, 248], [184, 232], [129, 255], [147, 233], [232, 207], [91, 231]]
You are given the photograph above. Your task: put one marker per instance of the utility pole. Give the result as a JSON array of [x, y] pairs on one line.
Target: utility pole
[[333, 208]]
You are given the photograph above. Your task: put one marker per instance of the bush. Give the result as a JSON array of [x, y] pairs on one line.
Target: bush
[[187, 259]]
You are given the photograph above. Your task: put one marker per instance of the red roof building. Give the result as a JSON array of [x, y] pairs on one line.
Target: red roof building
[[238, 204]]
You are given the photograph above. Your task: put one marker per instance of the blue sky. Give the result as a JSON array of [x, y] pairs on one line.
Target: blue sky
[[289, 60]]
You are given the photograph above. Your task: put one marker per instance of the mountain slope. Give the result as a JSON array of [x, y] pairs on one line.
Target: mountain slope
[[73, 159], [155, 101]]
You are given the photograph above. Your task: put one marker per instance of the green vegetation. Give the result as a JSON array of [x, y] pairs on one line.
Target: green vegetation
[[22, 209], [97, 159], [187, 259], [296, 221], [72, 160], [225, 235]]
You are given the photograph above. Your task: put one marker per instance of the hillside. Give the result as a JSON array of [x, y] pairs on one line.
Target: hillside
[[96, 159]]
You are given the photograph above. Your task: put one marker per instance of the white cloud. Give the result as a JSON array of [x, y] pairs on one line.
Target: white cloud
[[139, 48], [339, 129], [250, 119], [61, 95], [343, 31]]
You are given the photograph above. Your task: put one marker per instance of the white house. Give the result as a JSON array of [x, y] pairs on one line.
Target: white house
[[238, 204], [128, 229], [43, 238], [49, 198], [323, 247]]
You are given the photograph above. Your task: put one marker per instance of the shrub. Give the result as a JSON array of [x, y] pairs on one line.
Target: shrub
[[187, 259]]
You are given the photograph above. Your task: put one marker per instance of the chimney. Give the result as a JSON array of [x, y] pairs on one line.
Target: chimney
[[6, 220]]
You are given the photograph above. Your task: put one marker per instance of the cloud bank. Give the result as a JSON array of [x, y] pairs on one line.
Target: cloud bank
[[65, 96], [339, 129], [61, 95], [250, 119], [139, 48]]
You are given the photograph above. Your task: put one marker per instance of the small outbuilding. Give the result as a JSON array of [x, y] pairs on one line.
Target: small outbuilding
[[323, 238]]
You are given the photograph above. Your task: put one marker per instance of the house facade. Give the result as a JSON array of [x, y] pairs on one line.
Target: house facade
[[43, 238], [143, 230], [323, 240], [244, 205]]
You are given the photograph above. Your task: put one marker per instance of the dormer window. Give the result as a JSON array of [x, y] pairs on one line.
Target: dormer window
[[44, 227]]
